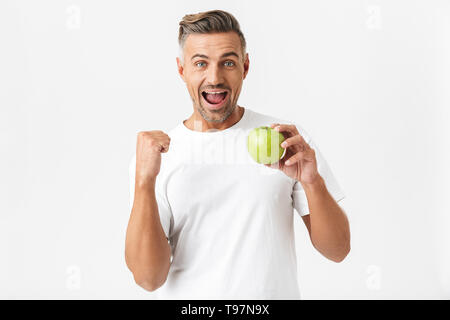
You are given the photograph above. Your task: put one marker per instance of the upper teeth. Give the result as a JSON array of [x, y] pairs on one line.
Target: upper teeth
[[214, 92]]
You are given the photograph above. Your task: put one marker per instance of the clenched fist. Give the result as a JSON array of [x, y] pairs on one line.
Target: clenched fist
[[150, 144]]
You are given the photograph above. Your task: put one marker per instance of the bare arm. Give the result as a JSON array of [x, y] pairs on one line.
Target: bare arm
[[147, 251], [327, 223]]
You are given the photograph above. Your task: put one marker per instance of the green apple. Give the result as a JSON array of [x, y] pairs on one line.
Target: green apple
[[263, 144]]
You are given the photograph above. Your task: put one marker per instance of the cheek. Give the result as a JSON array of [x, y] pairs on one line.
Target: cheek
[[236, 83], [193, 86], [195, 82]]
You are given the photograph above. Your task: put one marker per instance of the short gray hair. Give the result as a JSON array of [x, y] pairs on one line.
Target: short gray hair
[[209, 22]]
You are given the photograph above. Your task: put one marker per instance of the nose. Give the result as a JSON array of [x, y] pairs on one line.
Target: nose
[[214, 75]]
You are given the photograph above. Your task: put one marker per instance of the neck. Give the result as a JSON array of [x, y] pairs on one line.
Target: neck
[[195, 119]]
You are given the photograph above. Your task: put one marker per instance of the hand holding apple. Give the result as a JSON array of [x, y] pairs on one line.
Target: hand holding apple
[[299, 161]]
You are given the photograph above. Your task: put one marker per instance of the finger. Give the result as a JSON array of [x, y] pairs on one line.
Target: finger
[[164, 147], [277, 126], [294, 140], [296, 157], [290, 128]]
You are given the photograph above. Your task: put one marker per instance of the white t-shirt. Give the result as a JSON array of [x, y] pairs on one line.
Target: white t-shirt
[[229, 220]]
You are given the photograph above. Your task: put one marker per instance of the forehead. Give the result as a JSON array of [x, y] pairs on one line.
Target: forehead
[[212, 44]]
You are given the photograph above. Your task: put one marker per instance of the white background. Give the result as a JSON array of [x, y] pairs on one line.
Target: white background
[[369, 80]]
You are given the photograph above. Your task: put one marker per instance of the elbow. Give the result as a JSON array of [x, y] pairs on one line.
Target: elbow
[[149, 283], [148, 277], [334, 253], [341, 255]]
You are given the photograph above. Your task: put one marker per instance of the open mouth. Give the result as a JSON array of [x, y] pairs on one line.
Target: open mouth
[[215, 98]]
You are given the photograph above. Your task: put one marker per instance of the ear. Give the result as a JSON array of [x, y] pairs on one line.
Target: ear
[[180, 69], [246, 65]]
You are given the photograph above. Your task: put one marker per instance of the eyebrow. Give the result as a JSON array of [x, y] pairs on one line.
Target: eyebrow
[[227, 54]]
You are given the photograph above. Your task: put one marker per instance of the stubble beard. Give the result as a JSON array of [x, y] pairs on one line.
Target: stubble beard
[[223, 113]]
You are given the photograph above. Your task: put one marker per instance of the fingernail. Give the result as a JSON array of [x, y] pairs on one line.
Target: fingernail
[[288, 162], [277, 128], [284, 144]]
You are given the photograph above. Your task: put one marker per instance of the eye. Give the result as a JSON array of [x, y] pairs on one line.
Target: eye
[[198, 64], [229, 63]]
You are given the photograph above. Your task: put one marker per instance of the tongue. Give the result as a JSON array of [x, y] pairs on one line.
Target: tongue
[[215, 98]]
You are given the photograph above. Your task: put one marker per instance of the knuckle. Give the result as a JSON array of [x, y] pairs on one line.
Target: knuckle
[[143, 136]]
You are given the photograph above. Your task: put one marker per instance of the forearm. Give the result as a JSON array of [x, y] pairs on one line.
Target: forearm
[[147, 252], [329, 227]]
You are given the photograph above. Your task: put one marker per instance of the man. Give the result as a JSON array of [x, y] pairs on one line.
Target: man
[[208, 222]]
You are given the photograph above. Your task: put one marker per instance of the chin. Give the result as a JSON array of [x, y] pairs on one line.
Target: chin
[[216, 115]]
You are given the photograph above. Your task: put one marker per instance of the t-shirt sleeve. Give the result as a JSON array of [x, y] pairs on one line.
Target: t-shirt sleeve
[[164, 210], [299, 196]]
